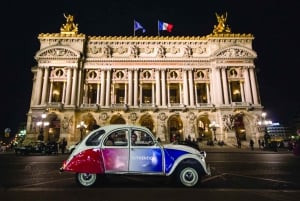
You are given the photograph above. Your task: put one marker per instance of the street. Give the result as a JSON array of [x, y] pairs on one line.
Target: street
[[235, 176]]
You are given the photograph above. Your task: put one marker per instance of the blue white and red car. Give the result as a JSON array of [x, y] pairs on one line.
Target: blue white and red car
[[112, 150]]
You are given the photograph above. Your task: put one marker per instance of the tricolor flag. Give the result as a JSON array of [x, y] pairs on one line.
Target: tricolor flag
[[163, 26], [138, 26]]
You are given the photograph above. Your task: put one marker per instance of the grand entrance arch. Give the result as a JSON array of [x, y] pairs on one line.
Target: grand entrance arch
[[204, 132], [53, 133], [117, 119], [239, 126], [90, 121], [147, 121], [175, 127]]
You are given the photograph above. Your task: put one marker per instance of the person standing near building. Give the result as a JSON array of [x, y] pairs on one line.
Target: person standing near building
[[63, 145], [259, 143], [251, 144]]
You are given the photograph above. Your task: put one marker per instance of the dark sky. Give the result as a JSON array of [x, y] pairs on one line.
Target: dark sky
[[274, 24]]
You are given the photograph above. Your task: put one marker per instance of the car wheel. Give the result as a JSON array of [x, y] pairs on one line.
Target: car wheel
[[188, 176], [86, 179]]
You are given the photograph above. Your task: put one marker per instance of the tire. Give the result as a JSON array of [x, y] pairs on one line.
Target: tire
[[86, 179], [188, 176]]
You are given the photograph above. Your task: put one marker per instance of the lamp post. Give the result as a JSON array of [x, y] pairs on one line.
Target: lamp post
[[81, 126], [263, 124], [42, 124], [213, 126]]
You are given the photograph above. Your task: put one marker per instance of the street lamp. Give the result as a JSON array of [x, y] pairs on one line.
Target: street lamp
[[81, 126], [213, 126], [42, 124], [263, 124]]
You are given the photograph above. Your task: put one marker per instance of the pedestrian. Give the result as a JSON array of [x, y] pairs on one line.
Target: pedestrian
[[263, 144], [251, 144], [259, 144], [239, 143], [63, 145]]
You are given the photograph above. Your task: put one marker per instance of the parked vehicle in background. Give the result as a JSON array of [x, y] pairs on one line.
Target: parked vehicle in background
[[51, 148], [133, 150], [36, 147]]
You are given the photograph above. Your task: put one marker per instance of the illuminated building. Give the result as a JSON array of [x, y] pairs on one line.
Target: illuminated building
[[174, 85]]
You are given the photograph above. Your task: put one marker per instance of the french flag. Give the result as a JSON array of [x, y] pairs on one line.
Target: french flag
[[163, 26]]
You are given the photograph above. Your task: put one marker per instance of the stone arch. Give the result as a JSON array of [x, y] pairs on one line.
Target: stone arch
[[52, 133], [239, 127], [203, 129], [117, 119], [90, 121], [175, 128], [235, 52], [57, 51], [147, 121]]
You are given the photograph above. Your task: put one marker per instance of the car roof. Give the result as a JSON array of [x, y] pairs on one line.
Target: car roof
[[108, 128]]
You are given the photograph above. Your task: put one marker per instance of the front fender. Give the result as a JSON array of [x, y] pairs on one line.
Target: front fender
[[198, 159]]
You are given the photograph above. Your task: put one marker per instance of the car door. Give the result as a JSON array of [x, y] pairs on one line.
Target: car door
[[145, 156], [115, 151]]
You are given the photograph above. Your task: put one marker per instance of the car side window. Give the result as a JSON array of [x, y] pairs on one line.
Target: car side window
[[117, 138], [94, 139], [141, 138]]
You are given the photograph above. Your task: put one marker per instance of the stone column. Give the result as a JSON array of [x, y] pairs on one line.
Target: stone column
[[157, 80], [185, 88], [153, 92], [163, 86], [50, 92], [191, 84], [254, 86], [74, 86], [248, 95], [98, 93], [242, 91], [208, 93], [45, 86], [130, 84], [136, 88], [69, 85], [38, 87], [225, 85], [64, 93], [141, 93], [102, 96], [108, 95]]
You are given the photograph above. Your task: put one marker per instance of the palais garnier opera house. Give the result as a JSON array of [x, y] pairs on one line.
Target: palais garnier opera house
[[203, 87]]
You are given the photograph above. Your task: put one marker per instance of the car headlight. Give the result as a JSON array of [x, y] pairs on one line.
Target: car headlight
[[203, 153]]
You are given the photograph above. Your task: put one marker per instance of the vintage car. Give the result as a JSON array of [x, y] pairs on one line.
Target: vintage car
[[133, 150]]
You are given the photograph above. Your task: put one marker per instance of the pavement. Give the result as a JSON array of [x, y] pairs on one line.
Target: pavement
[[217, 148], [244, 149]]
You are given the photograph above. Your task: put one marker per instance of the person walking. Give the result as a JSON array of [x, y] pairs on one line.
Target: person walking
[[63, 145], [239, 143], [251, 144], [259, 144]]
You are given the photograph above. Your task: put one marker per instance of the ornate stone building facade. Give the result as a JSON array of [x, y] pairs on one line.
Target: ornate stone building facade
[[175, 86]]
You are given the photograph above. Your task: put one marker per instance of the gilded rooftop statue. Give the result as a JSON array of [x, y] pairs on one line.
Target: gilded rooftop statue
[[221, 27], [70, 26]]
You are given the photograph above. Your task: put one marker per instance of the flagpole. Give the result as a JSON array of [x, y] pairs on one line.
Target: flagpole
[[158, 27], [133, 28]]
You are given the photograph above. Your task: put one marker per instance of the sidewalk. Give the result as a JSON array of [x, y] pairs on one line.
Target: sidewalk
[[244, 149]]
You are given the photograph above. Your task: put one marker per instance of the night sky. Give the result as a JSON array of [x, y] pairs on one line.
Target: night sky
[[274, 24]]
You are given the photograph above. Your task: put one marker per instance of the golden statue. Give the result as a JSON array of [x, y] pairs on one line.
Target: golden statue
[[221, 27], [70, 26]]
